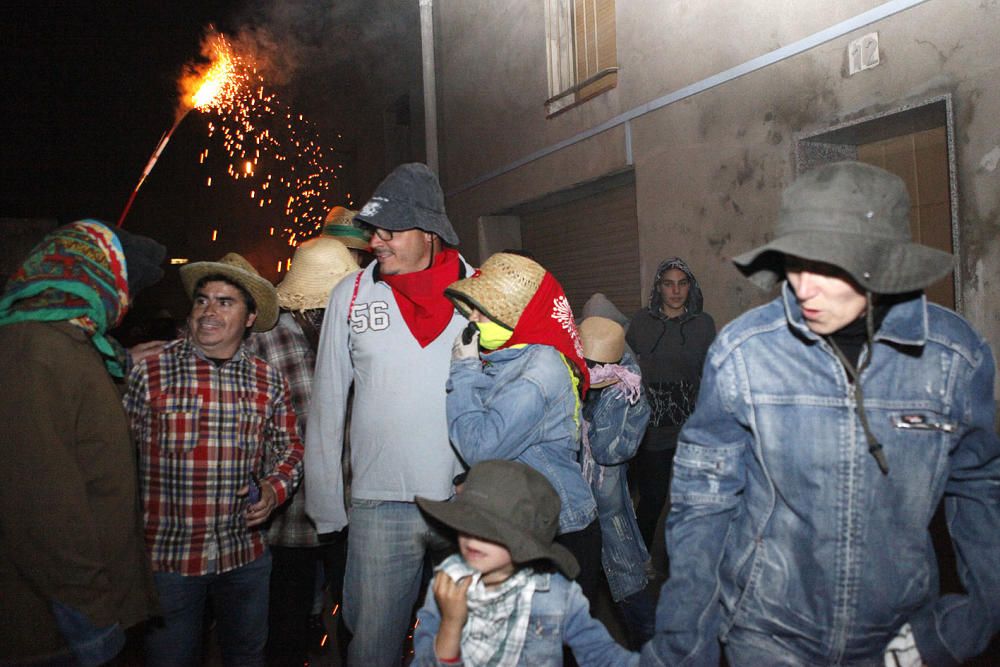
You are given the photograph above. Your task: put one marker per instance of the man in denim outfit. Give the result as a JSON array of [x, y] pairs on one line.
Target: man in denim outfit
[[830, 424]]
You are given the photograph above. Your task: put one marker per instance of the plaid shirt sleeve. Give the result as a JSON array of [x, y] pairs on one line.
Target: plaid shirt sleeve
[[136, 403], [283, 444]]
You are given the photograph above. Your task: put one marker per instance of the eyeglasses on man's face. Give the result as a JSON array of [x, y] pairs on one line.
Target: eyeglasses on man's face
[[382, 234]]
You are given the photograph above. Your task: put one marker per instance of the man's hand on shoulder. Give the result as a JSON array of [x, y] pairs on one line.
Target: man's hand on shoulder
[[140, 351]]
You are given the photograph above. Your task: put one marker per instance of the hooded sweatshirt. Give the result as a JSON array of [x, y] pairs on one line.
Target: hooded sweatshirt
[[671, 352]]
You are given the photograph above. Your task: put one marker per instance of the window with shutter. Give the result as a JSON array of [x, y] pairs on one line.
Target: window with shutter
[[582, 52]]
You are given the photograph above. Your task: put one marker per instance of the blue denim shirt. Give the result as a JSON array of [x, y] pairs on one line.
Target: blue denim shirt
[[521, 405], [782, 525], [560, 615], [616, 428]]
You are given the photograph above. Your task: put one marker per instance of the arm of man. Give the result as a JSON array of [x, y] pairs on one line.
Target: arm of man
[[284, 451], [707, 481], [500, 428], [958, 627], [324, 444]]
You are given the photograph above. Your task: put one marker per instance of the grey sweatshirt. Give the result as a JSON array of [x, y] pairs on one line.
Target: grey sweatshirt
[[399, 430]]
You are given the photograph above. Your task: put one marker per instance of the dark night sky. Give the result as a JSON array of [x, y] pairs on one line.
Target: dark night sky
[[89, 87]]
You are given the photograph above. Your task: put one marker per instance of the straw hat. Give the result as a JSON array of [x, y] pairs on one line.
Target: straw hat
[[234, 267], [340, 225], [501, 289], [317, 266], [603, 343], [509, 503]]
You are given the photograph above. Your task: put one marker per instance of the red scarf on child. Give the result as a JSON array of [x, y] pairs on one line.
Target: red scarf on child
[[548, 320], [420, 296]]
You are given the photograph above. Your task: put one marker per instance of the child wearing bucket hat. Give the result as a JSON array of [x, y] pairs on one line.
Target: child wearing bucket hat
[[506, 598], [515, 389], [830, 425]]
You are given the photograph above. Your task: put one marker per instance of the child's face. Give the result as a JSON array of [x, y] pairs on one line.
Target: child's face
[[491, 559]]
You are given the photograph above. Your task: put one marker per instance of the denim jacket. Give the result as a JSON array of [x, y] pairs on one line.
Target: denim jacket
[[560, 615], [615, 430], [520, 404], [782, 525]]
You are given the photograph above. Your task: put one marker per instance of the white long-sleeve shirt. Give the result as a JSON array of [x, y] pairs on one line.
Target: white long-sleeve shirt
[[399, 429]]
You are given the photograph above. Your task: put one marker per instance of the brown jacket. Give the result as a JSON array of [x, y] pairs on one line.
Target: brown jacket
[[70, 526]]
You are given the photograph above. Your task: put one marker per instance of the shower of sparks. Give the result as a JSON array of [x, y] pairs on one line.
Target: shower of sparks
[[274, 150]]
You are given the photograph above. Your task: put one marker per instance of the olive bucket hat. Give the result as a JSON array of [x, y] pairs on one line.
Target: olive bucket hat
[[409, 197], [511, 504], [853, 216]]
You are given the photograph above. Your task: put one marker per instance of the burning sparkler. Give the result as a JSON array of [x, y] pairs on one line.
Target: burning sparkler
[[215, 86], [230, 87]]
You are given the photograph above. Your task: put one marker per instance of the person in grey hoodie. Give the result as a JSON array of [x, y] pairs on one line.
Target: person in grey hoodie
[[670, 337]]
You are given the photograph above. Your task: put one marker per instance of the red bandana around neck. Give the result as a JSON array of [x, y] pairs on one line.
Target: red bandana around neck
[[548, 320], [420, 296]]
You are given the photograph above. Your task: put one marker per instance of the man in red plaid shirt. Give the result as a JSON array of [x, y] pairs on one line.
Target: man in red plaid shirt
[[218, 451]]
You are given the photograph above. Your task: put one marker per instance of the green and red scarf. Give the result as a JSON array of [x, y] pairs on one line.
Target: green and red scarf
[[75, 274]]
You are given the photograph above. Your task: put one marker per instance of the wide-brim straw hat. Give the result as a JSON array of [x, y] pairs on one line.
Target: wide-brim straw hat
[[339, 224], [854, 216], [501, 289], [317, 266], [509, 503], [410, 197], [234, 267], [603, 342]]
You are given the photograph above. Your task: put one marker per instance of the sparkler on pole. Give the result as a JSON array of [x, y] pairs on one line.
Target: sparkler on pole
[[149, 165], [273, 149], [210, 88]]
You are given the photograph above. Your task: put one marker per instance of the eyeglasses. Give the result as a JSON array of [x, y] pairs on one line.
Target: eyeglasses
[[382, 234]]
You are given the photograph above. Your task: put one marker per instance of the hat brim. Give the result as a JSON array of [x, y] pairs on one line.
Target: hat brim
[[293, 295], [881, 266], [396, 216], [465, 517], [467, 294], [351, 242], [260, 288]]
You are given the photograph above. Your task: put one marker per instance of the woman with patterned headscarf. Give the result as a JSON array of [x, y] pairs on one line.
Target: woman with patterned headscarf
[[73, 570]]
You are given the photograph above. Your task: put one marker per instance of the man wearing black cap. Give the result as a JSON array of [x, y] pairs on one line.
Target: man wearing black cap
[[830, 424], [388, 331]]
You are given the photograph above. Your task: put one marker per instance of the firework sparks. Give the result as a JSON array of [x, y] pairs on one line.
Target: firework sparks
[[277, 151]]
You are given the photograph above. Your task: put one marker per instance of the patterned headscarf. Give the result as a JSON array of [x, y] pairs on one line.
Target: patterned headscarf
[[548, 320], [75, 274]]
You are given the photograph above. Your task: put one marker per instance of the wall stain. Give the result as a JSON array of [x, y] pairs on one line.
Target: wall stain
[[746, 170], [717, 243]]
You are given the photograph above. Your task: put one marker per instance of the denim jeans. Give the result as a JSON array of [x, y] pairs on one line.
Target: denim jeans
[[385, 561], [750, 649], [239, 600]]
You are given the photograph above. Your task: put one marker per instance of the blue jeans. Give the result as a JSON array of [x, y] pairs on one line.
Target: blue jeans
[[385, 561], [239, 600], [748, 649]]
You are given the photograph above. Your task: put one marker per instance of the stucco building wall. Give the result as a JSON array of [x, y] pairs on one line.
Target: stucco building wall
[[709, 168]]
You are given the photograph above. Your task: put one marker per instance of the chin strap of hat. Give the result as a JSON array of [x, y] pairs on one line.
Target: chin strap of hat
[[874, 446]]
